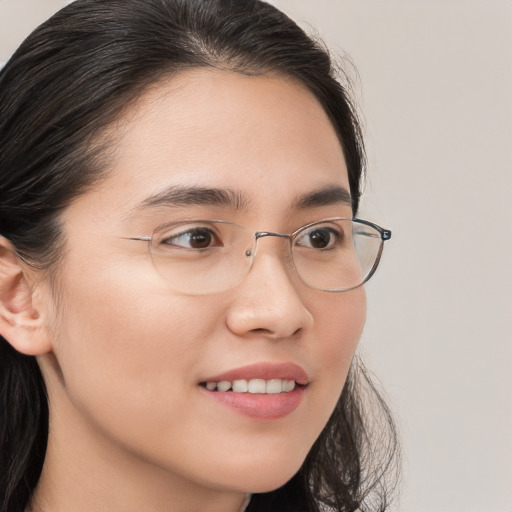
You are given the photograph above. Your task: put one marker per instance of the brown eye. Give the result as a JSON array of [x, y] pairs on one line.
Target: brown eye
[[319, 238], [196, 238]]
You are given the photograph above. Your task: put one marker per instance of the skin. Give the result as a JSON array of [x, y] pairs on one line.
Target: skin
[[122, 353]]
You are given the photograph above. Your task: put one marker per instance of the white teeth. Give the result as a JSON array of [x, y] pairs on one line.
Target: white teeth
[[260, 386], [257, 386], [274, 386], [240, 386], [288, 385], [223, 385]]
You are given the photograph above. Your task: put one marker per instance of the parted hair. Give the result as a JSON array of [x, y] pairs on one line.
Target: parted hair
[[67, 83]]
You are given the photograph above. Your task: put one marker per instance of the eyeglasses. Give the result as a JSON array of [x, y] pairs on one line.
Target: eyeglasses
[[200, 257]]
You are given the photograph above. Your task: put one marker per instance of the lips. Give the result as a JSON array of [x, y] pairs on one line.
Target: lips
[[262, 391]]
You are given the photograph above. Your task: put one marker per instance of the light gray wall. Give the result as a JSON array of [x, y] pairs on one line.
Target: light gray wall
[[19, 17], [436, 84]]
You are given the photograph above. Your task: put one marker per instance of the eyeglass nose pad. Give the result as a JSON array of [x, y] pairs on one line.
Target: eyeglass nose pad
[[251, 253]]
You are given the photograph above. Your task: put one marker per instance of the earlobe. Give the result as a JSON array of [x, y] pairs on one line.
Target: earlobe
[[21, 323]]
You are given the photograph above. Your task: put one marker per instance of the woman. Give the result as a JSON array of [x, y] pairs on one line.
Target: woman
[[181, 276]]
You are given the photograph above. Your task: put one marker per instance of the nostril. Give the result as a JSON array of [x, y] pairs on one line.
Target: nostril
[[262, 331], [270, 334]]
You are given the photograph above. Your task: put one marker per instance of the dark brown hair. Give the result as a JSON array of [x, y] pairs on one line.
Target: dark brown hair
[[72, 78]]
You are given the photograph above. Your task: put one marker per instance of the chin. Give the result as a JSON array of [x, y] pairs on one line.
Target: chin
[[262, 478]]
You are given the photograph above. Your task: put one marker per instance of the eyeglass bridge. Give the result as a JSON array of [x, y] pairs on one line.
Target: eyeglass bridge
[[262, 234]]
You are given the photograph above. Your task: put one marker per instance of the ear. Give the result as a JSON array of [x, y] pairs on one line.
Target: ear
[[21, 323]]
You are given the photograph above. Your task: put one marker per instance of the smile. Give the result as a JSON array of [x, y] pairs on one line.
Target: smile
[[264, 391], [255, 386]]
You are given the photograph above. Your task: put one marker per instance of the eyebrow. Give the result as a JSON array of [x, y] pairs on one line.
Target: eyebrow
[[222, 197], [327, 196], [194, 195]]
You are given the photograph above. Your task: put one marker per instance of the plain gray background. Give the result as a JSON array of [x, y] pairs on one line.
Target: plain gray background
[[435, 88]]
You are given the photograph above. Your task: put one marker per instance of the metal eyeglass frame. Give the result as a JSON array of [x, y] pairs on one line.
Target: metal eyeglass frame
[[385, 234]]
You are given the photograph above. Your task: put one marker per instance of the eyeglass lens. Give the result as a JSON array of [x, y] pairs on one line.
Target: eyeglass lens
[[202, 257]]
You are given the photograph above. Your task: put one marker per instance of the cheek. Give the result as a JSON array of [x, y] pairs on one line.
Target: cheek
[[340, 323], [129, 355], [129, 352]]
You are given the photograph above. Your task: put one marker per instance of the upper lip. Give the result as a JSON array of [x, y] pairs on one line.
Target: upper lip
[[265, 371]]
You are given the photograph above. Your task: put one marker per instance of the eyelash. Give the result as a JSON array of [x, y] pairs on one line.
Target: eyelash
[[208, 238], [337, 235], [190, 232]]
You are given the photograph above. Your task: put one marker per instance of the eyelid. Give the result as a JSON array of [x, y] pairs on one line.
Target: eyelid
[[328, 223], [197, 222], [332, 222], [170, 231], [176, 228]]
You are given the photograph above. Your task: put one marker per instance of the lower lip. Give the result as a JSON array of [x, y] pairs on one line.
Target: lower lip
[[260, 406]]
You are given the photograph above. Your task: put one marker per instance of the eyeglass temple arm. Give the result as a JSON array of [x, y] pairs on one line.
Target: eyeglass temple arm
[[385, 234]]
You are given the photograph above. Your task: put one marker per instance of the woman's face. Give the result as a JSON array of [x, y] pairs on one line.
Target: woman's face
[[131, 355]]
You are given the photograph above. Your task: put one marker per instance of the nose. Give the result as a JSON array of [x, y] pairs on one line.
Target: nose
[[269, 301]]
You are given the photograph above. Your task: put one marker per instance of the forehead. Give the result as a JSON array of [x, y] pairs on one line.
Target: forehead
[[265, 137]]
